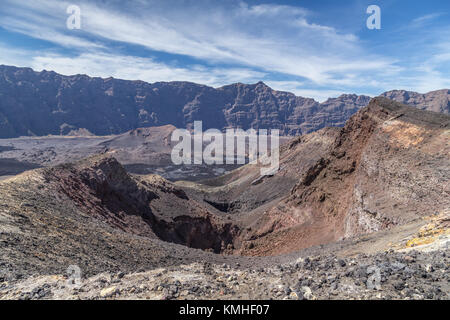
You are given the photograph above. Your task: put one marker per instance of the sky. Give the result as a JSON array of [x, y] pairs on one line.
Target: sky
[[313, 48]]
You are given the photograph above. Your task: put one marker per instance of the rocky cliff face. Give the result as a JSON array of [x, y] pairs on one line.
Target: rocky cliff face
[[387, 166], [437, 101], [41, 103]]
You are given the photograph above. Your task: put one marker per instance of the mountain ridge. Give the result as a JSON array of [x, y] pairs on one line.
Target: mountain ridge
[[42, 103]]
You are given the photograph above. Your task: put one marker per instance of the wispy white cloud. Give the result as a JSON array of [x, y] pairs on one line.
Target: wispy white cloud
[[272, 10], [242, 34], [14, 57], [127, 67], [420, 21], [48, 34], [298, 88]]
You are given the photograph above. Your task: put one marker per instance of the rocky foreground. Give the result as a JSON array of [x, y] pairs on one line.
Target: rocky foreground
[[415, 268], [390, 275]]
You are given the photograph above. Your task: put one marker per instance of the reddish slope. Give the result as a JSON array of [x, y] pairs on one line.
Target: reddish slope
[[388, 165]]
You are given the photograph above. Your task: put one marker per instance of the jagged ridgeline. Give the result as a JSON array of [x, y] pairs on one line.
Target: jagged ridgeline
[[42, 103]]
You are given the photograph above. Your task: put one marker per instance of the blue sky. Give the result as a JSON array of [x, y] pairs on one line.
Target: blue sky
[[318, 49]]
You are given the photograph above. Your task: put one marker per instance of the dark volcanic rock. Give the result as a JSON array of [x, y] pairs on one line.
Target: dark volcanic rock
[[437, 101], [41, 103]]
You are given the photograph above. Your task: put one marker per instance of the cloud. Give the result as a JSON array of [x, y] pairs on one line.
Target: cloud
[[420, 21], [48, 34], [129, 68], [271, 10], [298, 88], [274, 38], [14, 57]]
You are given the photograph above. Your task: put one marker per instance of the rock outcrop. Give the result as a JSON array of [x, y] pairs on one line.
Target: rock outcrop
[[388, 166], [437, 101]]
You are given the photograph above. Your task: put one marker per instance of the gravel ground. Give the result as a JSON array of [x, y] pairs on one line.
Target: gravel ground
[[390, 275]]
